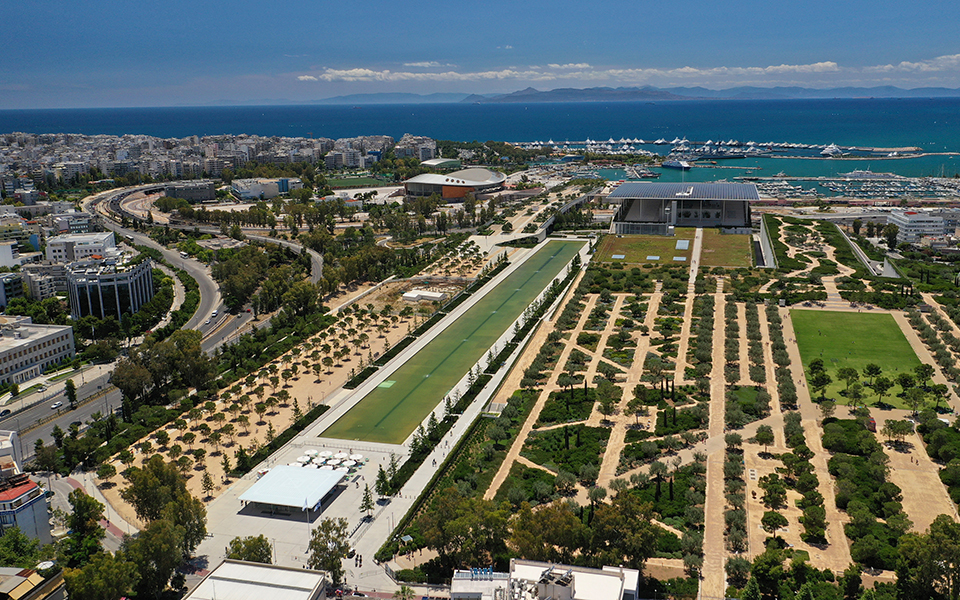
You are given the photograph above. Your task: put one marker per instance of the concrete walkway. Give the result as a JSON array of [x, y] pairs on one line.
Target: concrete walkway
[[713, 584]]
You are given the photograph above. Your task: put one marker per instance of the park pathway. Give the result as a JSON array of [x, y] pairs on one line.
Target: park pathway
[[714, 584], [534, 415], [679, 374], [617, 440], [924, 495], [923, 353]]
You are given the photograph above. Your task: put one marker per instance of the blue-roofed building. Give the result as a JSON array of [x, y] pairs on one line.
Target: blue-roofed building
[[657, 208]]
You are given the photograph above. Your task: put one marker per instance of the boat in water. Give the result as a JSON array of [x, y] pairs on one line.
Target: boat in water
[[832, 150], [641, 173], [677, 164], [868, 174]]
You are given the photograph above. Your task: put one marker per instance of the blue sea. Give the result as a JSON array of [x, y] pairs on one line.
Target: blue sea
[[932, 124]]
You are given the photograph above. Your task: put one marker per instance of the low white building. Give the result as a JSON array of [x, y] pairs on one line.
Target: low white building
[[251, 190], [914, 225], [78, 246], [418, 295], [242, 580], [532, 580], [11, 454], [26, 348]]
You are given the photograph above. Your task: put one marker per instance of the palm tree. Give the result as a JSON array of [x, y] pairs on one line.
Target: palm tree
[[404, 593]]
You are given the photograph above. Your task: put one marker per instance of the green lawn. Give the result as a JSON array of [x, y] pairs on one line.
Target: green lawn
[[355, 182], [854, 339], [393, 410], [636, 248], [726, 249]]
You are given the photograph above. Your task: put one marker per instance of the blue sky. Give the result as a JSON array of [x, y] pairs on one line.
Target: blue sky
[[63, 53]]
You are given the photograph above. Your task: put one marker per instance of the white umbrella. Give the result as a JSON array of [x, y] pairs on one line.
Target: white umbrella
[[349, 463], [340, 455], [333, 461], [295, 465], [311, 466], [326, 453], [303, 459], [326, 468], [311, 452], [342, 470], [356, 457]]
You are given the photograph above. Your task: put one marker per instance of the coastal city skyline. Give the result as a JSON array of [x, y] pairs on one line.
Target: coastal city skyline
[[147, 55]]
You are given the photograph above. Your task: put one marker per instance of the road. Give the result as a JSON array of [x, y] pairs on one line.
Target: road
[[316, 260], [209, 290], [215, 330], [41, 409]]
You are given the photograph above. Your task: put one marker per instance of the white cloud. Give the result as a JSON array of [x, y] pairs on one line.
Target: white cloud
[[569, 66], [430, 64], [818, 73], [950, 62]]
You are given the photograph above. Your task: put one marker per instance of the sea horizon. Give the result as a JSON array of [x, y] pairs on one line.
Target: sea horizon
[[932, 124]]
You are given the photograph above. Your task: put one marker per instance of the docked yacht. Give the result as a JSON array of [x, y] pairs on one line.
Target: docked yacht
[[677, 164], [831, 150]]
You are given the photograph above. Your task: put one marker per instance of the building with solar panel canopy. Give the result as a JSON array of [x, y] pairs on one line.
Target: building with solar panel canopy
[[657, 208]]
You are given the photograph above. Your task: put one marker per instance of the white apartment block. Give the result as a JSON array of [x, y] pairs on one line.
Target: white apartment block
[[9, 253], [915, 225], [72, 247], [26, 349]]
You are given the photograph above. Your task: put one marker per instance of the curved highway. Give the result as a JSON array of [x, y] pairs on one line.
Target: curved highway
[[316, 259], [209, 290]]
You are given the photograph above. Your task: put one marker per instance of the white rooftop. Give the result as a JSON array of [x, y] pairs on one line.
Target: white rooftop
[[587, 584], [83, 238], [293, 486], [466, 177], [240, 580]]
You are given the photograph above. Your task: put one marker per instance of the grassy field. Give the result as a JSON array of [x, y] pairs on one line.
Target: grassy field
[[636, 248], [726, 250], [844, 339], [356, 182], [392, 411]]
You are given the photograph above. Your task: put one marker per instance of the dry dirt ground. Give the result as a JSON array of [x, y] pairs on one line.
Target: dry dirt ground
[[306, 389]]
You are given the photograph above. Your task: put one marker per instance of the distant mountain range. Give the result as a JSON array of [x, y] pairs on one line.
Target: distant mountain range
[[644, 94]]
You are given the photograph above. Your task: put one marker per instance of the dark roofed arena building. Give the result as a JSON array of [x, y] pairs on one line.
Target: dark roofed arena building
[[656, 208]]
